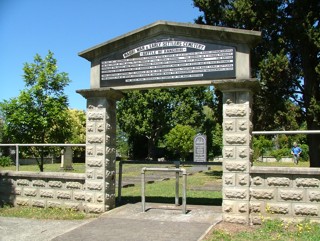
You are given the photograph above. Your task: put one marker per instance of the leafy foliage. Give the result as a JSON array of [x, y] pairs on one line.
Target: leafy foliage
[[217, 140], [39, 114], [77, 118], [260, 146], [146, 116], [5, 161], [278, 146], [286, 61], [180, 140]]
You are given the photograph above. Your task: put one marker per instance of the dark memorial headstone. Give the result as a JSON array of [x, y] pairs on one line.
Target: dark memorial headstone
[[200, 148]]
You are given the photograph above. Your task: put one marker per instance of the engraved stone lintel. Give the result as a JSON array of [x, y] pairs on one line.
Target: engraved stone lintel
[[278, 208], [236, 166], [94, 116], [236, 139], [307, 182], [314, 196], [267, 194], [228, 152], [235, 219], [229, 125], [236, 193], [95, 139], [233, 110], [95, 208], [278, 181], [291, 195], [94, 162], [306, 210]]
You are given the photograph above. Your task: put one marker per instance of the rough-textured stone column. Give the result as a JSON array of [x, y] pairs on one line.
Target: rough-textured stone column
[[100, 149], [237, 154]]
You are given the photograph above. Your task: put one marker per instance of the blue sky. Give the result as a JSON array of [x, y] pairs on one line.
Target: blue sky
[[67, 27]]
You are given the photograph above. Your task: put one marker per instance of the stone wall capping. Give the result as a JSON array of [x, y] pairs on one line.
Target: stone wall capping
[[232, 85], [43, 175], [101, 92], [285, 170]]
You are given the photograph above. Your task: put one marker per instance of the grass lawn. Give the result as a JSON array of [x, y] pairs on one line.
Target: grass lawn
[[281, 164], [164, 191], [77, 168]]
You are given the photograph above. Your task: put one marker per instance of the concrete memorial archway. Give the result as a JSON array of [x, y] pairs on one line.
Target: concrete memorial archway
[[167, 54]]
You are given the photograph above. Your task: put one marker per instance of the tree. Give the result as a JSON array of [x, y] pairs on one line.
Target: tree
[[152, 113], [180, 140], [77, 120], [1, 130], [39, 114], [287, 59], [145, 113], [217, 141]]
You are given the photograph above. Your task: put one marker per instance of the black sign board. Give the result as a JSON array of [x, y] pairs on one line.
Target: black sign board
[[200, 148], [168, 60]]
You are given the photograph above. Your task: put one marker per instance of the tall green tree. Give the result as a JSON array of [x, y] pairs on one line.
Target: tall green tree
[[1, 129], [180, 140], [77, 124], [77, 118], [287, 59], [39, 114], [145, 113], [153, 113]]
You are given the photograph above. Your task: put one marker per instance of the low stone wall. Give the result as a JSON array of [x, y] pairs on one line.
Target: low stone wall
[[289, 194], [43, 189]]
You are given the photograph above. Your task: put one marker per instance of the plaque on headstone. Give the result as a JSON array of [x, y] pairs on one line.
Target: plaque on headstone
[[168, 60], [200, 148]]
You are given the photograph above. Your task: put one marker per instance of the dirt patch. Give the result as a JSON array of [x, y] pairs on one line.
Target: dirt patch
[[231, 228]]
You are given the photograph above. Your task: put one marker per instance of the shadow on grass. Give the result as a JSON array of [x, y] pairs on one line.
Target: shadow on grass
[[171, 200], [213, 173]]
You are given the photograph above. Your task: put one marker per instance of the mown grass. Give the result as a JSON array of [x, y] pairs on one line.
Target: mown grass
[[164, 191], [41, 213], [77, 168], [281, 164], [274, 230]]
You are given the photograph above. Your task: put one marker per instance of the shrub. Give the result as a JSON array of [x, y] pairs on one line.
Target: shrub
[[278, 154], [5, 161]]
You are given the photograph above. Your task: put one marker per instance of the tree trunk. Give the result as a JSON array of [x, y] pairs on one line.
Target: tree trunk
[[314, 150], [309, 61], [152, 149], [40, 164]]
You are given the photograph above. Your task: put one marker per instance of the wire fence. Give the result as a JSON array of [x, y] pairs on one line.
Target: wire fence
[[282, 142], [17, 145], [255, 133]]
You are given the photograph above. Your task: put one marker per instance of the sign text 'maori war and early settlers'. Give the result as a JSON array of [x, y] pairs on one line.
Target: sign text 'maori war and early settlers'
[[167, 61]]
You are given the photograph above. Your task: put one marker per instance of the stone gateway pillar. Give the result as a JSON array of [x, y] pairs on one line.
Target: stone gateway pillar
[[100, 149], [237, 152]]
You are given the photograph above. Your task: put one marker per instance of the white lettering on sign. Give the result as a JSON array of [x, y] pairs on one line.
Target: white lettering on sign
[[163, 51], [168, 64], [164, 44]]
